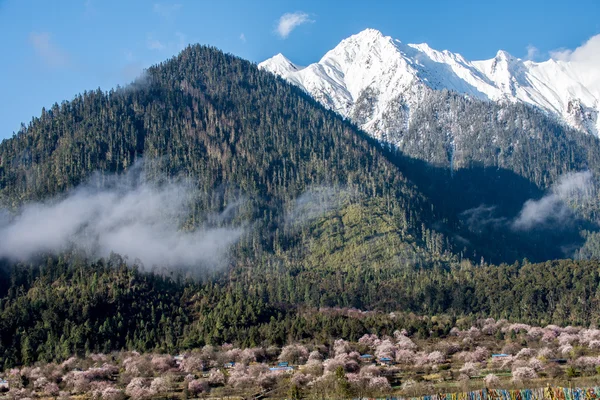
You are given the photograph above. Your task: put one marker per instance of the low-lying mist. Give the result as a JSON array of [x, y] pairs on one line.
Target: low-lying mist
[[126, 214]]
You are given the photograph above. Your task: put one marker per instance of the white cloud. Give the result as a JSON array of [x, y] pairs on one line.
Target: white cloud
[[167, 11], [589, 52], [553, 207], [585, 59], [532, 52], [243, 38], [52, 55], [290, 21], [127, 214]]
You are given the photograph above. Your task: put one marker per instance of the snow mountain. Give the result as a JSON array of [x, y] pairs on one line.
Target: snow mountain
[[378, 82]]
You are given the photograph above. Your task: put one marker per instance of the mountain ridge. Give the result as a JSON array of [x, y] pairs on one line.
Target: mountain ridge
[[386, 69]]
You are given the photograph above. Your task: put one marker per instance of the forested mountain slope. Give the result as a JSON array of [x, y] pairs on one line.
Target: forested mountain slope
[[328, 215], [219, 122]]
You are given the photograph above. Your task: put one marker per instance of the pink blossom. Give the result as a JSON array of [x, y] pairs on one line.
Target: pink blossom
[[313, 367], [208, 353], [103, 372], [226, 346], [572, 330], [491, 381], [405, 356], [370, 370], [300, 379], [511, 348], [587, 362], [19, 393], [545, 353], [587, 336], [489, 329], [478, 355], [565, 349], [535, 364], [160, 385], [554, 328], [216, 377], [40, 383], [48, 388], [191, 363], [258, 369], [137, 365], [549, 336], [197, 386], [535, 333], [355, 379], [76, 381], [248, 356], [162, 363], [138, 390], [386, 349], [473, 332], [315, 356], [521, 374], [331, 364], [470, 369], [70, 363], [102, 390], [233, 355], [421, 358], [269, 379], [112, 393], [567, 338], [517, 328], [503, 363], [405, 343], [525, 353], [379, 383], [239, 377], [341, 346], [99, 358], [455, 331], [294, 353], [436, 357], [369, 340]]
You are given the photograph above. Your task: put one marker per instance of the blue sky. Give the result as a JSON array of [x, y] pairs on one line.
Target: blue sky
[[52, 50]]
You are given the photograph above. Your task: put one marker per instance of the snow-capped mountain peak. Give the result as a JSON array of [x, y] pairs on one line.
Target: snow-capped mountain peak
[[280, 65], [367, 76]]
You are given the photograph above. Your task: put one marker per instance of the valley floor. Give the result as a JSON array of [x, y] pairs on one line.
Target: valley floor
[[468, 364]]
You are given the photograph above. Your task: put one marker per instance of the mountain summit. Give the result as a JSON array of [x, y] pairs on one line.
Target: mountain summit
[[369, 76]]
